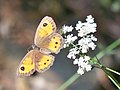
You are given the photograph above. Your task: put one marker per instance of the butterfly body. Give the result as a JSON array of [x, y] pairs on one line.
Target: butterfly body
[[47, 41]]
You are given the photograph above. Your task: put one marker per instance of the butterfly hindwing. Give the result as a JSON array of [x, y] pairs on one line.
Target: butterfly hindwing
[[53, 43], [44, 62], [27, 65], [46, 27]]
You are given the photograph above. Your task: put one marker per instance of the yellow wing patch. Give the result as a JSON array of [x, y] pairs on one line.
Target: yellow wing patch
[[55, 43], [27, 66], [45, 29], [45, 62]]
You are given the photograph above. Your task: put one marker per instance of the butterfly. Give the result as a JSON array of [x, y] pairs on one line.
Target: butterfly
[[46, 41]]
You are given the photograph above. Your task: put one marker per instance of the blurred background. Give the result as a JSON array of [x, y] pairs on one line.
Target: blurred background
[[18, 22]]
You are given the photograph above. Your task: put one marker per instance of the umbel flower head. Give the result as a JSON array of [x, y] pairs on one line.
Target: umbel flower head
[[85, 41]]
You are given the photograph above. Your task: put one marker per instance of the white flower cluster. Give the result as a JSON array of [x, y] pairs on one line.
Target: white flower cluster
[[83, 64], [87, 27], [69, 39], [85, 41], [72, 53]]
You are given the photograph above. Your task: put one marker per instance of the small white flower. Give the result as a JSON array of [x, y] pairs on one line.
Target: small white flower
[[69, 39], [90, 19], [86, 43], [78, 25], [86, 27], [83, 61], [72, 53], [88, 68], [92, 45], [75, 61], [80, 71], [93, 38], [66, 29], [83, 64], [86, 58]]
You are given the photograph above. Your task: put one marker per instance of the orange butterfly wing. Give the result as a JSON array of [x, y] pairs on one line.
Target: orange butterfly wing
[[46, 27], [53, 43], [27, 65], [43, 61]]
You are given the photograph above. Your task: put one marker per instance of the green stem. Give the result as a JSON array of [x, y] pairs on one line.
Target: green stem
[[75, 46], [114, 81], [99, 56], [69, 81], [108, 49], [111, 70], [110, 76]]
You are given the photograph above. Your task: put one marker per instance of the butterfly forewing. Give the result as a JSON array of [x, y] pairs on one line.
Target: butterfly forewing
[[46, 27], [27, 65]]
